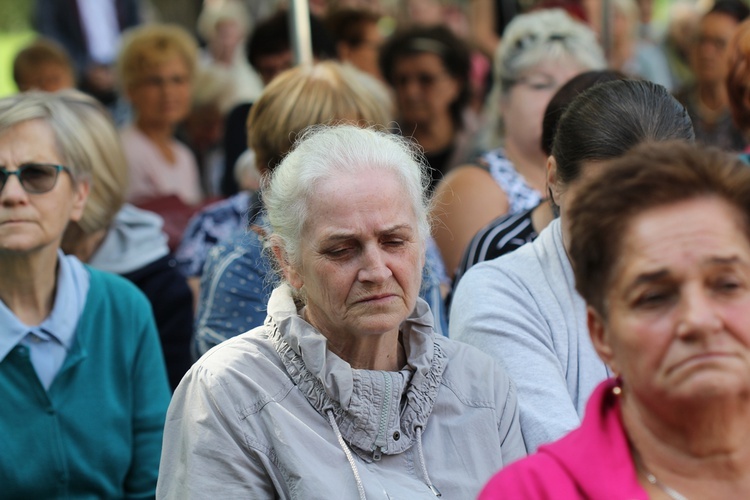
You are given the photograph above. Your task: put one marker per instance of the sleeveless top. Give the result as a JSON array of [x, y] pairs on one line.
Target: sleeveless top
[[520, 195], [503, 235]]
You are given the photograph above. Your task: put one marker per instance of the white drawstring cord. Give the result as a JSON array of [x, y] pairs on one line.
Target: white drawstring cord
[[432, 487], [348, 454], [353, 464]]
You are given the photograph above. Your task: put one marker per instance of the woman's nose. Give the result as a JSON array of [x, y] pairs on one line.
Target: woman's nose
[[409, 87], [698, 315], [374, 267], [12, 191]]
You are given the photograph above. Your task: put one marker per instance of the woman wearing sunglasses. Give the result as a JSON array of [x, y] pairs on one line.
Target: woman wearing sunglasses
[[82, 380]]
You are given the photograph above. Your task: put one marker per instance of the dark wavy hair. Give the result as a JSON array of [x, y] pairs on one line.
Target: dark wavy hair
[[438, 40]]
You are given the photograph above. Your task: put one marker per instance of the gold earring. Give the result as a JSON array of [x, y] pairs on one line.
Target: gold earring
[[617, 389]]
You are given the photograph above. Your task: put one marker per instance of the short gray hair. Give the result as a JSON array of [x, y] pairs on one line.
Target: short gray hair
[[533, 38], [37, 105], [86, 141], [545, 35], [321, 154]]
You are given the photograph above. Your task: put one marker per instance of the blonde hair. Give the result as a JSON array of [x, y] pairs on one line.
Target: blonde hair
[[211, 87], [324, 93], [151, 45], [87, 142]]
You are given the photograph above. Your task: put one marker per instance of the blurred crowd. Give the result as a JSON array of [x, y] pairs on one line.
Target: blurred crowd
[[199, 108]]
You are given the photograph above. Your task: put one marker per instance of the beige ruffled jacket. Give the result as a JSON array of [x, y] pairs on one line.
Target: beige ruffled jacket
[[274, 414]]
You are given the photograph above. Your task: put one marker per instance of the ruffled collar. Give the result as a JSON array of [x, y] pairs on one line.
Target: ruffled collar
[[374, 409]]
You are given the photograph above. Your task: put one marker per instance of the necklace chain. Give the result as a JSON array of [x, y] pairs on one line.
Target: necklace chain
[[674, 495]]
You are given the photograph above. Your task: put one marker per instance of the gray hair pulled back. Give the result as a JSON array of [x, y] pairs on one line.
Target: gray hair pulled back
[[326, 153]]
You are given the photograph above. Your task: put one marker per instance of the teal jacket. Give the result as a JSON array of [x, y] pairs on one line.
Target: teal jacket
[[97, 431]]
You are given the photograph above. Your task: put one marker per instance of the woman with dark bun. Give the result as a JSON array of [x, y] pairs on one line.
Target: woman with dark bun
[[523, 307]]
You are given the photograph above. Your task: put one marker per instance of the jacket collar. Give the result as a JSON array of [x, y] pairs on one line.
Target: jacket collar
[[597, 454], [369, 406]]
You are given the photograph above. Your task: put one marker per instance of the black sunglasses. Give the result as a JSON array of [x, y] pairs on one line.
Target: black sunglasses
[[35, 178]]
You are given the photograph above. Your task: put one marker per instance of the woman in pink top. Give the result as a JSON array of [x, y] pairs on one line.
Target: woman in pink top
[[157, 64], [660, 244]]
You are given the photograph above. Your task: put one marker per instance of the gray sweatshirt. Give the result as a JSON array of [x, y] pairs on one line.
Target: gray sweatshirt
[[523, 309], [274, 414], [134, 240]]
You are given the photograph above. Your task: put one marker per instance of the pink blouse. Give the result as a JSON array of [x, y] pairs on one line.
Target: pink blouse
[[152, 176]]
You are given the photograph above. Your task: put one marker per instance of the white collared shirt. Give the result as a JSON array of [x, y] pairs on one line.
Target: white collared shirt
[[102, 30]]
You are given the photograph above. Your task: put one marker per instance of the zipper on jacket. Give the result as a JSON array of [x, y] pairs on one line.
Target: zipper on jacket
[[380, 442]]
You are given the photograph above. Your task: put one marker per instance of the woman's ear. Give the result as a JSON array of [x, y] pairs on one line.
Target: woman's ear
[[80, 195], [552, 182], [290, 273], [600, 338]]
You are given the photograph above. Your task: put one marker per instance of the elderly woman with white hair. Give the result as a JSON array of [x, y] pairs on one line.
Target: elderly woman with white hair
[[82, 377], [346, 390], [540, 52], [224, 26], [232, 274]]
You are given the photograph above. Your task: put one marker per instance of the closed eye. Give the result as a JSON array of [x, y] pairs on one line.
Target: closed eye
[[652, 299], [339, 252], [541, 86], [394, 243], [726, 285]]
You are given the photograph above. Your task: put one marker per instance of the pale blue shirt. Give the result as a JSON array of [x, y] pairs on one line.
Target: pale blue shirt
[[50, 341]]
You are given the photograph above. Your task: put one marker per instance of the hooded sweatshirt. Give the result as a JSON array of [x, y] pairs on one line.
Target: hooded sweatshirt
[[523, 309], [134, 240], [592, 462], [135, 247], [274, 414]]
